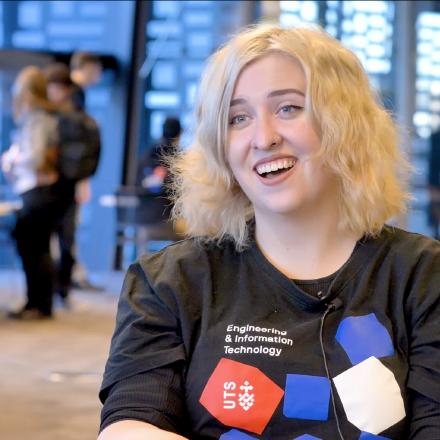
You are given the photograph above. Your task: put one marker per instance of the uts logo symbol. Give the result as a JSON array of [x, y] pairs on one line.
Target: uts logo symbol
[[241, 396], [245, 399]]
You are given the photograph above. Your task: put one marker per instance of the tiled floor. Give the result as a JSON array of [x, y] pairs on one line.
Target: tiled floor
[[50, 372]]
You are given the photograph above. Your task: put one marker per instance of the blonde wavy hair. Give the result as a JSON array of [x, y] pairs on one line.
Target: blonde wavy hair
[[30, 93], [32, 113], [359, 140]]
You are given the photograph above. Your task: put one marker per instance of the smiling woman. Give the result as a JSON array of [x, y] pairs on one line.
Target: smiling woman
[[357, 138], [272, 145], [286, 192]]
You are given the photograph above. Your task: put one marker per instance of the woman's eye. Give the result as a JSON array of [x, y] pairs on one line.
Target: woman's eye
[[238, 119], [289, 109]]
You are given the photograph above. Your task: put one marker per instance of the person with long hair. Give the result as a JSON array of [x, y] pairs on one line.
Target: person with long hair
[[294, 309], [31, 165]]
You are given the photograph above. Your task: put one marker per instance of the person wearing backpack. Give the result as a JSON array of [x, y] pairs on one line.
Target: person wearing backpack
[[78, 159], [85, 71], [31, 166]]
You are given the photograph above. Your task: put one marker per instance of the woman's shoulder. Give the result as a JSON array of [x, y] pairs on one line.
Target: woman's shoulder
[[178, 252], [36, 121], [411, 241], [410, 248], [190, 256], [38, 114]]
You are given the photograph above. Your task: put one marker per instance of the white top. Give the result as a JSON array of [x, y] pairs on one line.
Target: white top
[[21, 161]]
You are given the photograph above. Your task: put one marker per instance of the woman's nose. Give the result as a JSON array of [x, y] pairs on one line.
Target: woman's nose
[[265, 135]]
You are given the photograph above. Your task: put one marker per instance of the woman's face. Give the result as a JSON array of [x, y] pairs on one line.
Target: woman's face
[[272, 143]]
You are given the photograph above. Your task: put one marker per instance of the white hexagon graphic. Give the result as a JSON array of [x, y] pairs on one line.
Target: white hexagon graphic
[[370, 395]]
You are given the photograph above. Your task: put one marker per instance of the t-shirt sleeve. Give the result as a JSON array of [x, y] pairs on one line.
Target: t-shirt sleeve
[[424, 327], [154, 397], [147, 334]]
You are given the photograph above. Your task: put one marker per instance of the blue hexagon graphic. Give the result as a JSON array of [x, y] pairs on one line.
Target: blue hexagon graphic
[[368, 436], [306, 397], [235, 434], [364, 336]]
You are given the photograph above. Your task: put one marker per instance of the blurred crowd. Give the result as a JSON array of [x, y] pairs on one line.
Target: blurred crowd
[[55, 150]]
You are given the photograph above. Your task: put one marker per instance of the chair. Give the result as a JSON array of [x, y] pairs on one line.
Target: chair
[[142, 219]]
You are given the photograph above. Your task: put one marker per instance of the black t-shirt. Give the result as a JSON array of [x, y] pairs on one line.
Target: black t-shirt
[[316, 287], [223, 345]]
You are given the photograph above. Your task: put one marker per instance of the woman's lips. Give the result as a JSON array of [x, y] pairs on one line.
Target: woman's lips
[[275, 179]]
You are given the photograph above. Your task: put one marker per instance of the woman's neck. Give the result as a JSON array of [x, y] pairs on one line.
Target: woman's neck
[[305, 250]]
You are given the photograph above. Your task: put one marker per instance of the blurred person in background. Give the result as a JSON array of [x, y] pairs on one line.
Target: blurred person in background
[[286, 192], [31, 166], [85, 71], [152, 172], [60, 89], [434, 184]]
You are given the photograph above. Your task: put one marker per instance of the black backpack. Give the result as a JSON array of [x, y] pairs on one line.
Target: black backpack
[[80, 145]]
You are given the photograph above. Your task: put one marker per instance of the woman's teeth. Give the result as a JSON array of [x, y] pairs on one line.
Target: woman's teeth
[[276, 165]]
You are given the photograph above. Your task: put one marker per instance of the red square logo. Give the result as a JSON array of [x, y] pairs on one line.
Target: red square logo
[[241, 396]]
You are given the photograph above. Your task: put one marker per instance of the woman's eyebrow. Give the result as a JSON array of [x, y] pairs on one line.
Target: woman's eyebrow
[[285, 92], [238, 101]]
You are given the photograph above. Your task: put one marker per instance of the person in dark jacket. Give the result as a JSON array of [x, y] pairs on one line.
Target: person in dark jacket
[[60, 90]]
